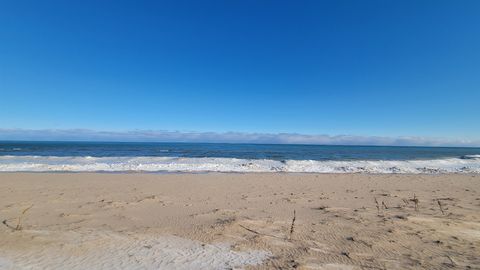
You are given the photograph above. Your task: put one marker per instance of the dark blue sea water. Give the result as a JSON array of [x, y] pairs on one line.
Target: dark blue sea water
[[223, 150], [113, 156]]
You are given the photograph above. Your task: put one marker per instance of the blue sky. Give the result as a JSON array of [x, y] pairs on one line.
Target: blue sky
[[364, 68]]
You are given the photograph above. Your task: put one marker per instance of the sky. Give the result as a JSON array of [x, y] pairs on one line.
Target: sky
[[369, 69]]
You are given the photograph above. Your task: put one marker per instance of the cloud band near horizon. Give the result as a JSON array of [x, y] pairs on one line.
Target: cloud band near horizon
[[225, 137]]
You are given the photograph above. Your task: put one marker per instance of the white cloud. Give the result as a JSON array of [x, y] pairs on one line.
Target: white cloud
[[227, 137]]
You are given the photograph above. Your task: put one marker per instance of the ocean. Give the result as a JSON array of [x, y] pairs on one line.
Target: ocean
[[221, 157]]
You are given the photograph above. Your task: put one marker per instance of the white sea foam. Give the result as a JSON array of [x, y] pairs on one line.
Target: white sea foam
[[177, 164], [471, 157]]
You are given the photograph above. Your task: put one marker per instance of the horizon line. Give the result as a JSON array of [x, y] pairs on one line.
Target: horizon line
[[245, 143], [165, 136]]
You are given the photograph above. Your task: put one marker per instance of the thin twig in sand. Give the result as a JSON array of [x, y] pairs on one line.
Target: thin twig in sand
[[346, 254], [6, 224]]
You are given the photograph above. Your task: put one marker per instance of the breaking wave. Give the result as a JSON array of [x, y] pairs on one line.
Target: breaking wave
[[180, 164]]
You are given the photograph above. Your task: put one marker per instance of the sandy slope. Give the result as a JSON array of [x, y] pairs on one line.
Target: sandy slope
[[222, 221]]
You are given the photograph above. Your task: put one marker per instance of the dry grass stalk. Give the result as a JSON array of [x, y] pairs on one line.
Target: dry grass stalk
[[377, 205], [18, 227], [292, 227], [19, 222], [440, 206], [250, 230], [453, 263], [415, 201], [384, 205], [258, 233]]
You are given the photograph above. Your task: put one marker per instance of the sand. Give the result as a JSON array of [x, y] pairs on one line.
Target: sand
[[232, 221]]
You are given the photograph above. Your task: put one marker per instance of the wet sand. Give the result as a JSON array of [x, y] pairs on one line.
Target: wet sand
[[224, 221]]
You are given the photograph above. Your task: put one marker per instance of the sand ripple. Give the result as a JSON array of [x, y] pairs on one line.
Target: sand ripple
[[109, 250]]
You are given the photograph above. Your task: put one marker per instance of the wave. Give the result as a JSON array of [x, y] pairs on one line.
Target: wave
[[471, 157], [178, 164]]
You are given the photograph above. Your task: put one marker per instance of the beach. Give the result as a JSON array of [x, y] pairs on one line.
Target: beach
[[239, 221], [227, 135]]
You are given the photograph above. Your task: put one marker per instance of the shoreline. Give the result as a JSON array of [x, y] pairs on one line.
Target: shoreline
[[233, 172], [241, 220]]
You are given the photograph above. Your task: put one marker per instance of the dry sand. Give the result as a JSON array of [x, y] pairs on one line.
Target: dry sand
[[224, 221]]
